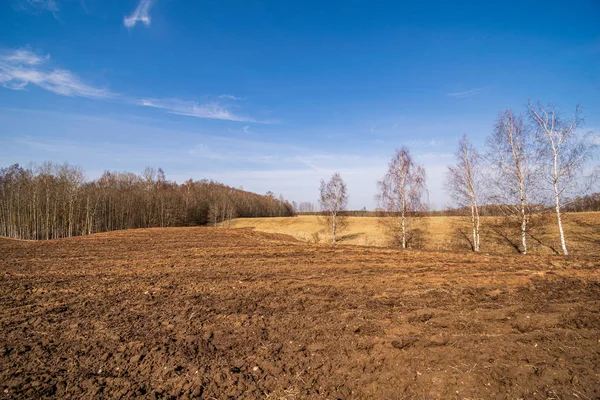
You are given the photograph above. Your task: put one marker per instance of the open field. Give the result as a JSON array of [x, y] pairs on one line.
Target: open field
[[220, 313], [448, 233]]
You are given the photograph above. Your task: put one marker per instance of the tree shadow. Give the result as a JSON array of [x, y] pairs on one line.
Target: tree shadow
[[543, 244], [592, 234], [466, 237], [507, 239], [350, 236], [415, 238]]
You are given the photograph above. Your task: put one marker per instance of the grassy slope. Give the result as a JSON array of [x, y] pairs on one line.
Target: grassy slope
[[448, 233]]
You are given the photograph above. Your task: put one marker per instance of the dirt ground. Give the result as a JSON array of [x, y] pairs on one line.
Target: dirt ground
[[218, 313]]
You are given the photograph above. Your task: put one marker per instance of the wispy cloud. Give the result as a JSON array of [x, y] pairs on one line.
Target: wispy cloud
[[140, 14], [230, 97], [22, 67], [467, 93], [193, 109], [434, 156], [40, 5], [203, 151], [259, 165]]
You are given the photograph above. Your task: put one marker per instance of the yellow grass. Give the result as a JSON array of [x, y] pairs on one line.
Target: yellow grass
[[448, 233]]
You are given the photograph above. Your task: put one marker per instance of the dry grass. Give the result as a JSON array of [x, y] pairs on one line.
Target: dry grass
[[361, 230], [448, 233]]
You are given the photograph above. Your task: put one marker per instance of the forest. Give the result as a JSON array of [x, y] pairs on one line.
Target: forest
[[53, 201]]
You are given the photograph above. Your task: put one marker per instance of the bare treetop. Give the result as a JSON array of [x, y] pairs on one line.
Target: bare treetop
[[402, 190], [333, 198], [563, 147], [514, 169], [464, 183]]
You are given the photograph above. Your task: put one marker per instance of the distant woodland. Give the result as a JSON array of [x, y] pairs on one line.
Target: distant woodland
[[590, 202], [53, 201]]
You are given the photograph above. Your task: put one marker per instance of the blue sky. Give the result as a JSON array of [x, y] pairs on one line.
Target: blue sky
[[276, 95]]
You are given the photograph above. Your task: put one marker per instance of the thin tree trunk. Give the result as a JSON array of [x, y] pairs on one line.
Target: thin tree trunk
[[47, 212], [477, 227], [403, 231], [474, 226], [87, 216], [563, 243], [334, 226], [523, 226], [403, 194]]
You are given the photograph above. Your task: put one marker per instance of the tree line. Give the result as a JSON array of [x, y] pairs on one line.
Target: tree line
[[53, 201], [532, 162]]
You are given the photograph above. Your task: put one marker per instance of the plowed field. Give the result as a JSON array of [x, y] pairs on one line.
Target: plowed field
[[217, 313]]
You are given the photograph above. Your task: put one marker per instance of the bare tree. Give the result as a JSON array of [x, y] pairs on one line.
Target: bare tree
[[401, 193], [333, 199], [306, 207], [512, 155], [464, 184], [565, 153], [53, 201]]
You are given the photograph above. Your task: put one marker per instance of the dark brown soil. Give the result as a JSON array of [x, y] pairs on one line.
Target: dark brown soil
[[215, 313]]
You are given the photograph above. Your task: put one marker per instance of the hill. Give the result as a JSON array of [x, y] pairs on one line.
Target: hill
[[447, 233]]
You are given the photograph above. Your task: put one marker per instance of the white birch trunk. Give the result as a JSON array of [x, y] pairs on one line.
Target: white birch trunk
[[523, 227], [403, 231], [563, 243], [334, 226], [474, 227], [477, 227]]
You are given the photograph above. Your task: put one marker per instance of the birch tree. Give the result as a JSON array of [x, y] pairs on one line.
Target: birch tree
[[512, 155], [54, 201], [464, 184], [401, 193], [333, 199], [565, 154]]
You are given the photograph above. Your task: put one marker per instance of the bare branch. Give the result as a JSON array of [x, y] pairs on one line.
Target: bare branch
[[333, 200], [564, 155], [401, 193], [464, 184]]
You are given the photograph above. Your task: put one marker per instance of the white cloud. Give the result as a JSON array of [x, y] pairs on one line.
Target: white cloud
[[467, 93], [438, 155], [230, 97], [24, 56], [193, 109], [203, 151], [23, 67], [41, 5], [257, 165], [140, 14]]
